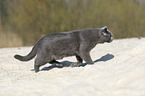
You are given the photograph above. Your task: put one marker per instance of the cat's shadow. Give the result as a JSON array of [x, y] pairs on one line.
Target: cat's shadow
[[69, 64]]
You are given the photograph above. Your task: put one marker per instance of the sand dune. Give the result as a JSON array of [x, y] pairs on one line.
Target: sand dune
[[119, 70]]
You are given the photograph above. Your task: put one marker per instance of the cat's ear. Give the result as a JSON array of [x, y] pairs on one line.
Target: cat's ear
[[104, 31], [105, 28]]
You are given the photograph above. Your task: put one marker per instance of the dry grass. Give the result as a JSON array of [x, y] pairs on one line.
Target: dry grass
[[10, 39]]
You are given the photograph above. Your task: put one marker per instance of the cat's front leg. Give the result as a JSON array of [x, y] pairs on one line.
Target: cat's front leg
[[86, 56], [84, 52], [79, 60]]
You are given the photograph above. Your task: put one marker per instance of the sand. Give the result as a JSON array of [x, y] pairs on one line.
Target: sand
[[119, 70]]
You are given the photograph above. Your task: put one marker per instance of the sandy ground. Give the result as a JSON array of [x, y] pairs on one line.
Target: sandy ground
[[119, 70]]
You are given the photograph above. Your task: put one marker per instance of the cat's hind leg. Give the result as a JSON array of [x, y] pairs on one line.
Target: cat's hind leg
[[54, 62], [39, 61]]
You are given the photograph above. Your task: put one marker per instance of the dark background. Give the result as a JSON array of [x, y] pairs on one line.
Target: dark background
[[23, 22]]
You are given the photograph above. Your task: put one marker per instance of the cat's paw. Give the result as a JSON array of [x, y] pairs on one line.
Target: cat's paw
[[75, 65], [59, 65], [90, 63]]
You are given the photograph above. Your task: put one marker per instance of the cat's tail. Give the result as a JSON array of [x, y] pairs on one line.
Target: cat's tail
[[28, 57]]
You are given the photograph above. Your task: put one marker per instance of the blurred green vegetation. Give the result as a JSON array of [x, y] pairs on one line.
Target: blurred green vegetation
[[30, 19]]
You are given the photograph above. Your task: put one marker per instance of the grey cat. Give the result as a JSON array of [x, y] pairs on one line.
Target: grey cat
[[77, 43]]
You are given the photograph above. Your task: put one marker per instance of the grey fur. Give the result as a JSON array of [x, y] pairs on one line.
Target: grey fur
[[77, 43]]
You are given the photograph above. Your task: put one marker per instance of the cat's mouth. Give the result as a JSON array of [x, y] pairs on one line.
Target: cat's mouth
[[109, 40]]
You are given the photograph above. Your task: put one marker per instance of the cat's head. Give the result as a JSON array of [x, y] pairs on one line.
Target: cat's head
[[106, 35]]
